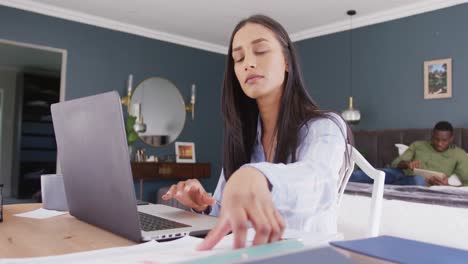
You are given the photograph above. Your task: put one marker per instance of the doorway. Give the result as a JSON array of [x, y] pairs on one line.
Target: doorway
[[33, 78]]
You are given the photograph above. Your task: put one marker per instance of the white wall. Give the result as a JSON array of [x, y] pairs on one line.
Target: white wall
[[8, 84]]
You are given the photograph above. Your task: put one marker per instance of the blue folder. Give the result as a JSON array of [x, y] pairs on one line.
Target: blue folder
[[404, 250]]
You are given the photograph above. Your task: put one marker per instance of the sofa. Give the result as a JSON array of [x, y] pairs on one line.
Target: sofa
[[378, 146]]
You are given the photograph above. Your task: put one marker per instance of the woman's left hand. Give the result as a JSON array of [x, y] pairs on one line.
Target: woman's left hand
[[246, 198]]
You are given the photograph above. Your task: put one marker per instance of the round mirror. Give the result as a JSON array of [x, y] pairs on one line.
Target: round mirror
[[161, 108]]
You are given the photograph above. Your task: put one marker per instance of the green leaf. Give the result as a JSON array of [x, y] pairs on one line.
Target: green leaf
[[132, 137], [129, 122]]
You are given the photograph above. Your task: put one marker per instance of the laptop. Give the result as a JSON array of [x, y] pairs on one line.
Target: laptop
[[93, 155]]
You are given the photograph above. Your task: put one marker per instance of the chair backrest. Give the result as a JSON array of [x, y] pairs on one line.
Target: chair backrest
[[345, 172], [377, 191]]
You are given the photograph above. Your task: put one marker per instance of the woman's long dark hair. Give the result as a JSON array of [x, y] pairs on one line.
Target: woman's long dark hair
[[240, 113]]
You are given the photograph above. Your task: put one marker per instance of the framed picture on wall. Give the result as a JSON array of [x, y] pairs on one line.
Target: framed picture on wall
[[438, 79], [185, 152]]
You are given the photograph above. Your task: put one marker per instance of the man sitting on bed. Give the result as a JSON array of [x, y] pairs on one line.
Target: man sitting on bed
[[439, 154]]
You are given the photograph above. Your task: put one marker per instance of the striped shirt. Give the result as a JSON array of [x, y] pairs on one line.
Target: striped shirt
[[304, 192]]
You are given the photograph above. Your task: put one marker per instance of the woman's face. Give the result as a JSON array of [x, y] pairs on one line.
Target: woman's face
[[259, 62]]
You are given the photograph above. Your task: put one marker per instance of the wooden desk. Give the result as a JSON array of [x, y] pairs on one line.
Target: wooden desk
[[26, 237]]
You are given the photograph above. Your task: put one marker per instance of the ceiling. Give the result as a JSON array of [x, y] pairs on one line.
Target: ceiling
[[207, 24]]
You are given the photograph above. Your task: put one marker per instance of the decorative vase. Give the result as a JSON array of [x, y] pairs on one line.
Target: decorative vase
[[131, 152]]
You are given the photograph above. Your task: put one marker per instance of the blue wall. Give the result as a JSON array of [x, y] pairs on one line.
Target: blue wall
[[388, 69], [100, 60]]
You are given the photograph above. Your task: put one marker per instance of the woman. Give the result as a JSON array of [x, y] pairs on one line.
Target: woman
[[282, 155]]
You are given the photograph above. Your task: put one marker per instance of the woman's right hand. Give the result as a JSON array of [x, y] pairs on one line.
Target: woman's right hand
[[191, 194]]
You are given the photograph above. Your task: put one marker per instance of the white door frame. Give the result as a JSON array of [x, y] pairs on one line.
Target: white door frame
[[63, 75]]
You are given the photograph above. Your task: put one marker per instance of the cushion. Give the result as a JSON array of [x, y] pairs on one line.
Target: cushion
[[401, 148], [454, 180]]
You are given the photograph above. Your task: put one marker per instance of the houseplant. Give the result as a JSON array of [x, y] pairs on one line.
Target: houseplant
[[132, 136]]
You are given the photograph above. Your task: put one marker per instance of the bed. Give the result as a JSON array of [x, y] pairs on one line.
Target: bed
[[431, 214], [438, 224]]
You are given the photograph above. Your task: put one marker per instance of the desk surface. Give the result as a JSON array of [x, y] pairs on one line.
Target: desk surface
[[27, 237]]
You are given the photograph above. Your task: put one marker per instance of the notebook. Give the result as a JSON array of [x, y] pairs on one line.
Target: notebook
[[93, 155], [402, 250], [277, 253], [428, 173]]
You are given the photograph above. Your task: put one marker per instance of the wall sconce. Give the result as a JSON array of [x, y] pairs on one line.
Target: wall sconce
[[139, 126], [126, 100], [190, 107]]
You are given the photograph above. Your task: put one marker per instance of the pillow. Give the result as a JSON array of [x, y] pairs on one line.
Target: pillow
[[454, 180], [401, 148]]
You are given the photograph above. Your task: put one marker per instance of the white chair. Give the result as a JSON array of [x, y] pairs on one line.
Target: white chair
[[377, 190]]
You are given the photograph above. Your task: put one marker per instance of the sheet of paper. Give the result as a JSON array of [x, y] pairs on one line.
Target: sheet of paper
[[152, 252], [41, 213], [311, 239]]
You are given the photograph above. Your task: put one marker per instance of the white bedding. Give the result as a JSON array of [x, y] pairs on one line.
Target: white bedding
[[444, 188], [436, 224]]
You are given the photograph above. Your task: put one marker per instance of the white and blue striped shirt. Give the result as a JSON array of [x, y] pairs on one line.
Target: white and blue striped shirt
[[304, 192]]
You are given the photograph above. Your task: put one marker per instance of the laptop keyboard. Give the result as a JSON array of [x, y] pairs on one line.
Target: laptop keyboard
[[151, 223], [140, 202]]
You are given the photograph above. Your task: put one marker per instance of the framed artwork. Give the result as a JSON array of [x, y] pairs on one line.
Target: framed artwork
[[185, 152], [438, 79]]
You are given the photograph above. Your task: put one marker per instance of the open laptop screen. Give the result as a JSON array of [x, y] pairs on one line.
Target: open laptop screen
[[93, 154]]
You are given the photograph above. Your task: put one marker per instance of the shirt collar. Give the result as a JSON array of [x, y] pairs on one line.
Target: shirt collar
[[259, 129]]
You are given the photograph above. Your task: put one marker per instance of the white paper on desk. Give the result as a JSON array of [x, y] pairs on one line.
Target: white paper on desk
[[41, 213], [151, 252], [309, 239]]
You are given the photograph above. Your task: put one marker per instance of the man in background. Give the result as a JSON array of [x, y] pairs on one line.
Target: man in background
[[439, 154]]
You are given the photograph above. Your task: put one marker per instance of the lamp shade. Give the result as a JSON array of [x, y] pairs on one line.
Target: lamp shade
[[351, 115], [139, 127]]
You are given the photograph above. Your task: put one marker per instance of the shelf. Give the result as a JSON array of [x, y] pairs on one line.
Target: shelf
[[37, 135], [39, 149], [37, 121]]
